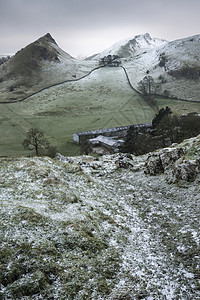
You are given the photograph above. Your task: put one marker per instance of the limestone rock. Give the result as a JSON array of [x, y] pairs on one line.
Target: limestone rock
[[162, 160], [171, 162], [186, 170]]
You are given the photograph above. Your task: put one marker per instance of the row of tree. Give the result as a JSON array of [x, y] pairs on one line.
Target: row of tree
[[166, 130], [149, 88], [110, 61]]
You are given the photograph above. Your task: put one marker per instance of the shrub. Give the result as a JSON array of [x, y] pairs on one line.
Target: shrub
[[192, 73], [162, 60]]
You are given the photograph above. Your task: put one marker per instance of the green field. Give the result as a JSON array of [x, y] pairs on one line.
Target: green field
[[100, 100]]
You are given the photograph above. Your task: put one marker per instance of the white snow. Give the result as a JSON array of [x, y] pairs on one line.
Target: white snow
[[133, 46]]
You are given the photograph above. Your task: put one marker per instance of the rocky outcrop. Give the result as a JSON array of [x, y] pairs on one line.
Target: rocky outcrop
[[174, 163], [184, 170], [161, 161]]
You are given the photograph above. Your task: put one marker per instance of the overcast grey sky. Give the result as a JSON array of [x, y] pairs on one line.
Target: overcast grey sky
[[90, 26]]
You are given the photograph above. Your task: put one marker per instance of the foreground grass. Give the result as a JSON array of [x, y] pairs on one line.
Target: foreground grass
[[81, 228]]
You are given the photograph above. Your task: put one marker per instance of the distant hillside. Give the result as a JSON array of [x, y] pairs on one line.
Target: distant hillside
[[174, 66], [132, 47], [38, 65]]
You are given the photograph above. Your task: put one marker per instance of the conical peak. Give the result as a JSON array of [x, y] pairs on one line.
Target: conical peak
[[49, 38]]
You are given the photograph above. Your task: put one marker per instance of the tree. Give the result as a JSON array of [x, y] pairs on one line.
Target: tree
[[168, 130], [165, 131], [138, 141], [147, 85], [167, 127], [148, 88], [110, 61], [35, 141], [190, 125], [160, 115], [129, 143]]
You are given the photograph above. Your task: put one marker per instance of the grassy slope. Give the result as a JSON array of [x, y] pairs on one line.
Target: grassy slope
[[98, 101], [34, 67], [92, 103], [82, 228]]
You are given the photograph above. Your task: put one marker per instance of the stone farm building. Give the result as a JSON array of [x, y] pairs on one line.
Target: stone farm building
[[108, 139]]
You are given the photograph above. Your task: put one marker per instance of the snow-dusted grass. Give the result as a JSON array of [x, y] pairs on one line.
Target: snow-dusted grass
[[82, 228], [186, 50]]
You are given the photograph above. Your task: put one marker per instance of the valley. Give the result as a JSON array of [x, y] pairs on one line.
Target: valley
[[101, 100], [42, 86], [97, 101]]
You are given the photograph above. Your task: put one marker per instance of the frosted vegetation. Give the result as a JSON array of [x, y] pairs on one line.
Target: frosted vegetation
[[84, 228]]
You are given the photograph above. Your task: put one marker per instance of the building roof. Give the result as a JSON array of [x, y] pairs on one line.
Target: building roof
[[113, 129], [109, 141]]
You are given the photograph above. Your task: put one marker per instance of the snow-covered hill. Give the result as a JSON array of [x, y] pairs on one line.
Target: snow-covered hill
[[86, 228], [37, 66], [132, 46], [175, 67]]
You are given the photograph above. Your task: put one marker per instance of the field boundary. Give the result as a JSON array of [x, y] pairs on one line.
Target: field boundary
[[157, 95], [86, 75], [50, 86]]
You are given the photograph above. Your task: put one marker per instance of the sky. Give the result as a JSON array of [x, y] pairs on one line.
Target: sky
[[86, 27]]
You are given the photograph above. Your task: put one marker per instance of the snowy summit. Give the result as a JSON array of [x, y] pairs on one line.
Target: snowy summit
[[132, 46]]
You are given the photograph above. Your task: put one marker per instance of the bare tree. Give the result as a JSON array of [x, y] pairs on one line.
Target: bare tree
[[148, 88], [35, 141]]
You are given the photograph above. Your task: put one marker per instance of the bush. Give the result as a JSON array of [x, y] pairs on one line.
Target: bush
[[50, 151], [192, 73], [162, 60]]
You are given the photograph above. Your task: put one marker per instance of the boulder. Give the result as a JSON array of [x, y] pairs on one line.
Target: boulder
[[185, 170], [162, 160], [171, 162], [124, 161]]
